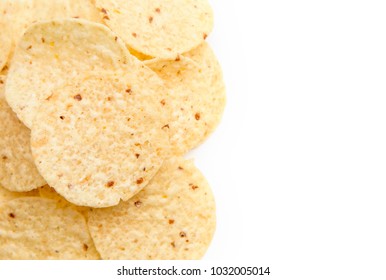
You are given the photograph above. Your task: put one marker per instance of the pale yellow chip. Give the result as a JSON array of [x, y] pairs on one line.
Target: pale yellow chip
[[5, 42], [159, 28], [100, 139], [48, 192], [197, 97], [172, 218], [6, 195], [20, 14], [17, 168], [35, 228], [51, 54]]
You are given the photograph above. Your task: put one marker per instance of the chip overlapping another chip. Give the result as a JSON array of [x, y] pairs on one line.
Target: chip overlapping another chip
[[17, 169], [99, 101], [159, 28], [172, 218], [27, 227]]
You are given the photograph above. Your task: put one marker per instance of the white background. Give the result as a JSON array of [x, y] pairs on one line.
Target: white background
[[298, 164]]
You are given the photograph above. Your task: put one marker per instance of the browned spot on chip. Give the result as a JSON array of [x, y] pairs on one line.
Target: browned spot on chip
[[178, 58], [128, 90], [173, 244], [61, 117], [29, 47], [150, 19], [194, 187], [180, 168], [137, 155], [78, 97], [197, 116], [4, 157], [163, 102], [43, 40], [138, 203], [140, 181], [171, 222], [115, 38], [110, 184], [85, 247], [134, 34], [103, 10], [205, 36], [182, 234], [158, 10], [166, 126], [11, 215]]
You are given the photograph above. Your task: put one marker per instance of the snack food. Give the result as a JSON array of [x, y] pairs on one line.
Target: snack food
[[159, 28], [17, 169], [51, 54], [27, 227], [197, 96], [172, 218], [114, 92], [99, 139]]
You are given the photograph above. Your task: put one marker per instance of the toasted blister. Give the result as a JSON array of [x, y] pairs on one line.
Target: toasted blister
[[6, 195], [159, 28], [50, 193], [99, 139], [20, 14], [51, 54], [34, 228], [171, 218], [197, 97], [17, 169]]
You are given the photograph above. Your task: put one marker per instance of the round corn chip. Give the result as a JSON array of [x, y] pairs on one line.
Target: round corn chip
[[99, 139], [35, 228], [159, 28], [172, 218], [17, 168], [197, 99], [48, 192], [6, 195], [22, 13], [51, 54]]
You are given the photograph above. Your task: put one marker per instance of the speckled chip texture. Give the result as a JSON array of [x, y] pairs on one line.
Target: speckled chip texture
[[52, 53], [197, 97], [172, 218], [100, 139], [20, 14], [159, 28], [5, 42], [17, 168], [35, 228]]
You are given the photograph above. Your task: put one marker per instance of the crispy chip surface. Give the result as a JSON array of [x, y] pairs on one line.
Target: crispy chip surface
[[17, 168], [172, 218], [197, 96], [100, 139], [51, 54], [6, 195], [159, 28], [35, 228]]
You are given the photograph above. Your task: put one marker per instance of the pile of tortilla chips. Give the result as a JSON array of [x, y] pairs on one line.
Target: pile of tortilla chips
[[99, 102]]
